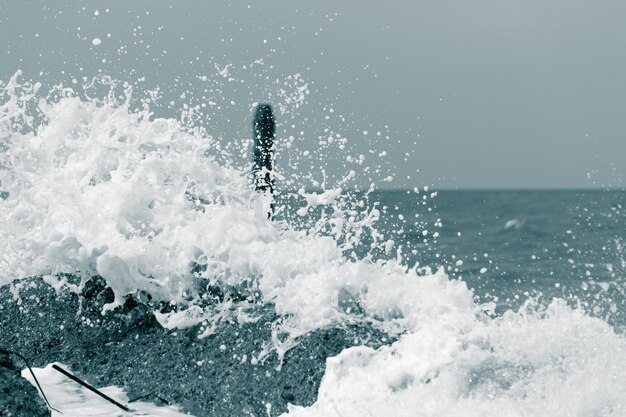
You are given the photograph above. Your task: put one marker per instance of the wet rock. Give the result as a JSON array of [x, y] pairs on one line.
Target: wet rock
[[215, 375], [18, 398]]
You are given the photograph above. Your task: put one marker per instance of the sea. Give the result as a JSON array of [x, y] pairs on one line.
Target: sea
[[500, 302], [511, 246]]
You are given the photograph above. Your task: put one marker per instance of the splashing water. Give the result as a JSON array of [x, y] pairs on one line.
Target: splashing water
[[78, 401], [555, 361], [93, 187]]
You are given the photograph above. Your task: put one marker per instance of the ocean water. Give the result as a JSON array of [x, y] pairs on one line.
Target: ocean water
[[502, 302], [513, 245]]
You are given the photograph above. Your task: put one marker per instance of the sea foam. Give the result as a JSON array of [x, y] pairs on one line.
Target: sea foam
[[78, 401], [555, 362], [93, 187]]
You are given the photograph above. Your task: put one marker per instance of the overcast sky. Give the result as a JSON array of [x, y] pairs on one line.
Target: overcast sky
[[472, 93]]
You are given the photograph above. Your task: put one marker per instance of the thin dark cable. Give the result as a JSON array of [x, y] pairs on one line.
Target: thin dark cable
[[10, 352]]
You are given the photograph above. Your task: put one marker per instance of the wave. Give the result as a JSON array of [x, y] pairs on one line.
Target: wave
[[92, 187], [554, 361]]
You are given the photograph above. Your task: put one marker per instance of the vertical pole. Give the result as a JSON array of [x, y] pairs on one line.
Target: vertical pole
[[263, 129]]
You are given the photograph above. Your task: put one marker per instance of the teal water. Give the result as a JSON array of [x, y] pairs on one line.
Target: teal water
[[532, 243]]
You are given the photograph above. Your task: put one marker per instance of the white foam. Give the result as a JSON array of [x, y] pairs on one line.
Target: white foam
[[513, 224], [98, 189], [558, 362], [72, 399]]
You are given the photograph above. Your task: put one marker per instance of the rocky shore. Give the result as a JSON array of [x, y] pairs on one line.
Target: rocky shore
[[18, 398], [210, 376]]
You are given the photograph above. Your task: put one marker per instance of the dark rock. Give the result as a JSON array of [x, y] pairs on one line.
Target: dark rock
[[18, 398], [128, 347]]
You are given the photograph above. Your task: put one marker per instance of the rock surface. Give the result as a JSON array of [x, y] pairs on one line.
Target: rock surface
[[18, 398], [129, 348]]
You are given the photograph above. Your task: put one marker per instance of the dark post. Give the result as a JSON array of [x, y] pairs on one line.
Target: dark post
[[263, 129]]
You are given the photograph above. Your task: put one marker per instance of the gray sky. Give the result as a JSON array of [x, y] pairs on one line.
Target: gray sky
[[478, 93]]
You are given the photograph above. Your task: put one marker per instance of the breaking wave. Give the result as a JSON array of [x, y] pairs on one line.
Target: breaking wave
[[96, 187]]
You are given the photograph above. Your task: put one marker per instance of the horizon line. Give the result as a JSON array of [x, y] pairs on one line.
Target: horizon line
[[479, 189]]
